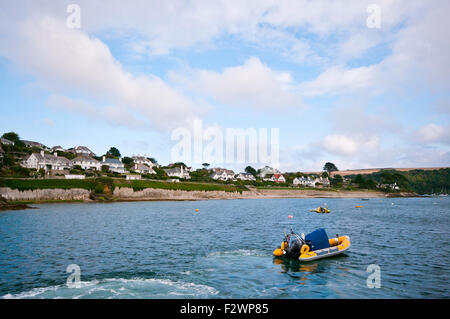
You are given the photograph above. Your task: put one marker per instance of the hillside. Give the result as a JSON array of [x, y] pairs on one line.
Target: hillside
[[367, 171]]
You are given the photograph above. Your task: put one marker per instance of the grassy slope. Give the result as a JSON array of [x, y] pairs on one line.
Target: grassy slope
[[98, 184]]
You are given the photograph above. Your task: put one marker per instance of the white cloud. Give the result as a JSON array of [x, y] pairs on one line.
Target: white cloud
[[252, 84], [68, 60], [111, 114], [432, 133], [340, 144], [339, 80]]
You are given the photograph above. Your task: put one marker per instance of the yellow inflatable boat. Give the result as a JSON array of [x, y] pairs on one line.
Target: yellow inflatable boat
[[321, 210], [315, 245]]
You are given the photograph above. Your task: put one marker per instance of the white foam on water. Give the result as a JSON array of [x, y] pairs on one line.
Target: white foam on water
[[121, 288], [238, 252]]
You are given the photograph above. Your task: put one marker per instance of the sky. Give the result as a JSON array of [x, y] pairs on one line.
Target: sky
[[362, 84]]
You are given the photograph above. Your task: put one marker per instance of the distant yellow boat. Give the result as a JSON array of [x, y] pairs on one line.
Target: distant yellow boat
[[321, 210]]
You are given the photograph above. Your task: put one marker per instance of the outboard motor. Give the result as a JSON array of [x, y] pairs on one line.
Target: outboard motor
[[290, 248], [293, 251]]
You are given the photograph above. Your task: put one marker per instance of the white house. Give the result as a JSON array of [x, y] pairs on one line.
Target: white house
[[83, 150], [33, 144], [324, 181], [143, 169], [277, 178], [137, 159], [87, 162], [391, 186], [114, 164], [222, 174], [6, 141], [46, 161], [245, 177], [57, 149], [311, 182], [133, 177], [178, 171], [266, 170], [74, 176], [304, 181]]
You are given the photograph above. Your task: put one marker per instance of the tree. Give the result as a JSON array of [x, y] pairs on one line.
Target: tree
[[205, 165], [359, 179], [250, 170], [330, 167], [178, 164], [337, 181], [325, 175], [12, 136], [114, 152], [128, 162]]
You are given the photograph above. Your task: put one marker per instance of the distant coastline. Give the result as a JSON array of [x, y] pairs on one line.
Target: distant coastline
[[18, 199]]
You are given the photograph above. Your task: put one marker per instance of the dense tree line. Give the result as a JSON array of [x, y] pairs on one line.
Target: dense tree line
[[419, 181]]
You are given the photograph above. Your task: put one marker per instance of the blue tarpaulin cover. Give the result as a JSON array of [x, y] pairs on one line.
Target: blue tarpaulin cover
[[318, 239]]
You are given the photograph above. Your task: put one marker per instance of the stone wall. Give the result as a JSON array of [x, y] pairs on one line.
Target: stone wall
[[126, 193], [44, 194]]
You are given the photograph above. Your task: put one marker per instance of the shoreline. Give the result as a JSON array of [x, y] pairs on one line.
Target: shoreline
[[16, 200]]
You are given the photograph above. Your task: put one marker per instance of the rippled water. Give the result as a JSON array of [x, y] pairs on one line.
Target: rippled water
[[167, 250]]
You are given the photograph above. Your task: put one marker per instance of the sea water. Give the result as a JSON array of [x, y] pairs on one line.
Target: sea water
[[169, 250]]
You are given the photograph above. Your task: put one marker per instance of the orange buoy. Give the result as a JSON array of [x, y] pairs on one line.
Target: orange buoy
[[290, 216], [196, 209], [359, 206]]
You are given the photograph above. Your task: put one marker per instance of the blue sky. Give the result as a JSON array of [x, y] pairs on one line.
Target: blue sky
[[133, 72]]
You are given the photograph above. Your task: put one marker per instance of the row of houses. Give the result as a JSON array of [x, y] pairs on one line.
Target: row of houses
[[142, 165], [311, 182], [53, 162]]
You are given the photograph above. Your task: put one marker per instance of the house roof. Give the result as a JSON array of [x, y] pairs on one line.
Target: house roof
[[266, 170], [32, 143], [112, 161], [173, 170], [5, 141], [82, 149], [84, 158], [52, 159], [140, 158], [142, 167], [220, 171]]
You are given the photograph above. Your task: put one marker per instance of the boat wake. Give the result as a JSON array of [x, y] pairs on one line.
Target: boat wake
[[120, 288], [238, 252]]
